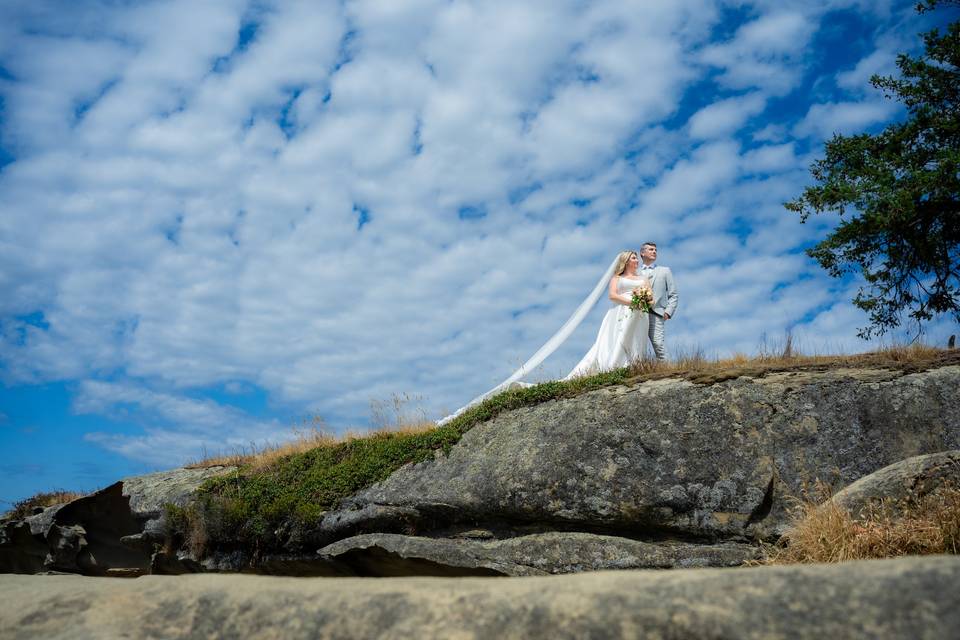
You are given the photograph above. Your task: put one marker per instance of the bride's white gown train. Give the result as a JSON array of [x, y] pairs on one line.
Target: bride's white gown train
[[622, 338]]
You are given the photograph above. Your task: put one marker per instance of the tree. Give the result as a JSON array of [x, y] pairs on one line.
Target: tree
[[896, 194]]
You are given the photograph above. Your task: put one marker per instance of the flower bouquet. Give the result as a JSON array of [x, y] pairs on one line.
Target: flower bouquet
[[642, 299]]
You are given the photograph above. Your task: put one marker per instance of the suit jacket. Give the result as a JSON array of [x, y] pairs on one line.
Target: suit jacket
[[664, 291]]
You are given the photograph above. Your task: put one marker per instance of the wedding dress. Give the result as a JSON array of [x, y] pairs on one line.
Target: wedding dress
[[620, 340]]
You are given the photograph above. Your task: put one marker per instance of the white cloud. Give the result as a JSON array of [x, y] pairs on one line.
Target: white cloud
[[825, 120], [879, 62], [379, 197], [763, 53], [771, 133], [692, 181], [176, 428], [725, 116], [770, 158]]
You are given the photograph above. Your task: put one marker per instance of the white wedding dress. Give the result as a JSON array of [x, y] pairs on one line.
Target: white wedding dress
[[622, 338]]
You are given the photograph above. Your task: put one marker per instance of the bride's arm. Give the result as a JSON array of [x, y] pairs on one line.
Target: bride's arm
[[616, 297]]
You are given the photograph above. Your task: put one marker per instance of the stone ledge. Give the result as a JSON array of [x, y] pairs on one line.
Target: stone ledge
[[909, 598]]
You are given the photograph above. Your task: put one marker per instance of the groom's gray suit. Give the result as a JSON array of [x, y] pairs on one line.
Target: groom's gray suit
[[664, 301]]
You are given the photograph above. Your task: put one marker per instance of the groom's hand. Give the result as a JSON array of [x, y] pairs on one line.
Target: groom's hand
[[666, 316]]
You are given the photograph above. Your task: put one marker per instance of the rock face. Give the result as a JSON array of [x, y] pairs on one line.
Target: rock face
[[911, 478], [909, 598], [668, 457], [111, 532]]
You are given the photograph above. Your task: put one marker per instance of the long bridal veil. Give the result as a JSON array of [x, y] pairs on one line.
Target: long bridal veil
[[549, 347]]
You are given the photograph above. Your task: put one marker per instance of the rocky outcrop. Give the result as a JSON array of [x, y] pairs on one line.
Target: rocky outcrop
[[661, 473], [909, 598], [23, 545], [668, 457], [908, 479], [114, 531]]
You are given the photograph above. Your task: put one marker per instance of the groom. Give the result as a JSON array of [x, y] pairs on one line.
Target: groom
[[664, 296]]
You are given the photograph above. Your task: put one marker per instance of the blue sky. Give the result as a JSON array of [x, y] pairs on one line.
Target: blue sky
[[218, 219]]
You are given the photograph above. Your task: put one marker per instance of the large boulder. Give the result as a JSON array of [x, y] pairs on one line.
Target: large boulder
[[23, 542], [907, 480], [667, 457], [908, 598]]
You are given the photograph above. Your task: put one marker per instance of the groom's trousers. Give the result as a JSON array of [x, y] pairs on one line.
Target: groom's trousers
[[656, 336]]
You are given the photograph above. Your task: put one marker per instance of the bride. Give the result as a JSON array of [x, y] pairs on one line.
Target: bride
[[622, 336], [623, 332]]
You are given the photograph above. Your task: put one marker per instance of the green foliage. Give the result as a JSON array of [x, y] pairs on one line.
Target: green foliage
[[930, 5], [897, 195], [262, 509]]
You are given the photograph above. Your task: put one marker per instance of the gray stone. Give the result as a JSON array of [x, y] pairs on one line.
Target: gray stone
[[110, 532], [908, 598], [911, 478], [149, 493], [668, 456], [383, 554], [20, 550], [66, 543], [40, 523]]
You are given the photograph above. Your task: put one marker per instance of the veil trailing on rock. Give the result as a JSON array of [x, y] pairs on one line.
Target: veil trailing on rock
[[549, 347]]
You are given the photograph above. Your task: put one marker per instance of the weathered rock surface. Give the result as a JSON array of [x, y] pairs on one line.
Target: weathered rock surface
[[20, 550], [110, 532], [909, 598], [385, 554], [670, 456], [908, 479]]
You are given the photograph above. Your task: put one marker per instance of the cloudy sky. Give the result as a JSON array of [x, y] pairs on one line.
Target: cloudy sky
[[220, 218]]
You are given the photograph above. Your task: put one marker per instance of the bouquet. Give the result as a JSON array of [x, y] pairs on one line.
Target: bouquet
[[642, 300]]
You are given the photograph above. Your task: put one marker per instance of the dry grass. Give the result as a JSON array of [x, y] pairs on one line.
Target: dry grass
[[311, 435], [28, 506], [400, 411], [696, 367], [826, 532], [258, 457]]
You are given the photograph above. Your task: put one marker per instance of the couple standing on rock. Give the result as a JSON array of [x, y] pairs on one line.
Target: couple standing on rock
[[625, 329]]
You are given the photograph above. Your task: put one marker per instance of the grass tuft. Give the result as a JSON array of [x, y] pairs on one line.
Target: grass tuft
[[825, 532], [40, 501]]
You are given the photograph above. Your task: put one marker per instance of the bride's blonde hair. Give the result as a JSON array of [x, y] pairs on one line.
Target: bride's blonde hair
[[622, 262]]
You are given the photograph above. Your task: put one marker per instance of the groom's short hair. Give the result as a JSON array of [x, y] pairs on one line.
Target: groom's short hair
[[648, 244]]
